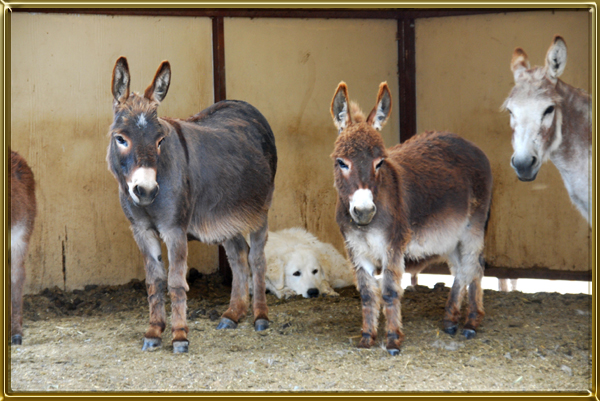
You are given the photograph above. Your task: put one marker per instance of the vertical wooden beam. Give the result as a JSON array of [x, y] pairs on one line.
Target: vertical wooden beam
[[407, 78], [218, 42]]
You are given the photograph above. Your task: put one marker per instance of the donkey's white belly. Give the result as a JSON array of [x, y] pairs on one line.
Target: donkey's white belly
[[439, 241]]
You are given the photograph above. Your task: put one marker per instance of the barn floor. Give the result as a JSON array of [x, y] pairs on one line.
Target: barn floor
[[91, 341]]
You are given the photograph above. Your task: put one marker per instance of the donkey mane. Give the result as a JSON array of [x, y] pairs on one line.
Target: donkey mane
[[356, 112], [136, 104]]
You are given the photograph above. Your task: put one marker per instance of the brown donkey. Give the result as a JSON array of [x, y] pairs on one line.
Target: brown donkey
[[208, 178], [551, 120], [22, 217], [425, 198]]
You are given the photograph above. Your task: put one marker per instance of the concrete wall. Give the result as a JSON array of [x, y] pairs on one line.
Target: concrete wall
[[463, 76], [61, 109], [289, 69]]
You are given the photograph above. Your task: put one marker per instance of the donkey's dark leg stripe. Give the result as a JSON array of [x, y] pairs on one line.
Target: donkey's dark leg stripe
[[390, 296], [365, 296], [393, 336]]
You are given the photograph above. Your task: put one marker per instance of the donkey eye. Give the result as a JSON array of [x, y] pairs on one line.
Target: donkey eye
[[160, 142], [378, 165], [342, 165], [549, 110], [296, 273], [315, 271], [509, 111], [120, 140]]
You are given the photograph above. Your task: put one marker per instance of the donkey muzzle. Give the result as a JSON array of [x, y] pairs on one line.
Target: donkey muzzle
[[363, 216], [145, 196], [362, 207], [526, 168], [143, 187]]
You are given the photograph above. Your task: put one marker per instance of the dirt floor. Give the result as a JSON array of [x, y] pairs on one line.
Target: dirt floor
[[91, 341]]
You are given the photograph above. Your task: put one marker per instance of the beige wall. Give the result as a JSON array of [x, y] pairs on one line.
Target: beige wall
[[463, 77], [289, 69], [61, 108]]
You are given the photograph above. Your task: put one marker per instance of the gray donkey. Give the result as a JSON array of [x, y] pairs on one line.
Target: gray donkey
[[208, 178]]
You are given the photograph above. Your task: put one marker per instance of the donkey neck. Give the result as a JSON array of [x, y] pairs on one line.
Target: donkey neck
[[575, 127]]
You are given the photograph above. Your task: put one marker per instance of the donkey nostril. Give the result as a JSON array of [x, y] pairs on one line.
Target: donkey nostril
[[533, 161], [153, 192], [140, 192]]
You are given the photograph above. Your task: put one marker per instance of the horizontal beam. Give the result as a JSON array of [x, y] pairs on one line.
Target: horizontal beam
[[512, 272], [340, 13]]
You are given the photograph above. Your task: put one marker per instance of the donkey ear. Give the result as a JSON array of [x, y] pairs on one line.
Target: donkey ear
[[339, 107], [120, 80], [383, 108], [556, 58], [159, 87], [519, 63]]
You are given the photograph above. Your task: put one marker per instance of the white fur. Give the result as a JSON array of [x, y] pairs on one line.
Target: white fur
[[361, 199], [141, 122], [296, 250], [144, 177], [534, 91], [369, 249], [380, 117], [341, 119], [17, 239]]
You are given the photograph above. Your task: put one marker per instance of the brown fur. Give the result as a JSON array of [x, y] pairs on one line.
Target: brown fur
[[432, 190], [22, 218]]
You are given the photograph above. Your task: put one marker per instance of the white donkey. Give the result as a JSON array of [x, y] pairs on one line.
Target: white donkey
[[551, 120]]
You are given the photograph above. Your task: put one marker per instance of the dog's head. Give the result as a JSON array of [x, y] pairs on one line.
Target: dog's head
[[303, 273]]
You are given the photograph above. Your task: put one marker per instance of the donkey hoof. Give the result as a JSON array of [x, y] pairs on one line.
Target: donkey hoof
[[469, 333], [151, 344], [451, 330], [17, 339], [261, 324], [393, 351], [180, 347], [226, 323]]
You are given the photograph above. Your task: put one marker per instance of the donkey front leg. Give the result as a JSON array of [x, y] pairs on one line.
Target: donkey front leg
[[149, 244], [237, 255], [258, 263], [370, 295], [391, 295], [176, 241]]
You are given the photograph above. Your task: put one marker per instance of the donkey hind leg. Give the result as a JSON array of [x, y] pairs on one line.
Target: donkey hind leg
[[466, 263], [237, 255], [258, 263], [475, 311], [156, 280], [457, 293], [18, 252], [391, 294], [370, 295], [176, 241]]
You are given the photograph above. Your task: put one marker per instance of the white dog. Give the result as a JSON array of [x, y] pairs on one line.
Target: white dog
[[298, 263]]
